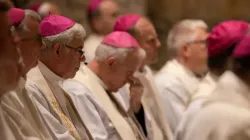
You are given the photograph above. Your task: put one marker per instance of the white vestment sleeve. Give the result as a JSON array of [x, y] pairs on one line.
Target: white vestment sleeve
[[174, 98], [56, 129], [88, 110]]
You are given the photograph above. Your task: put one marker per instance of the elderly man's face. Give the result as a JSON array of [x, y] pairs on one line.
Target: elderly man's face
[[109, 13], [148, 39], [71, 57], [196, 52], [31, 43], [121, 72], [10, 68]]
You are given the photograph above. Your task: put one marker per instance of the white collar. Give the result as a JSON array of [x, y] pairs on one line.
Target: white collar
[[50, 76]]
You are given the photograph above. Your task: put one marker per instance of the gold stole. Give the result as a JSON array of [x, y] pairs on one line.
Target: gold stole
[[41, 82], [89, 79]]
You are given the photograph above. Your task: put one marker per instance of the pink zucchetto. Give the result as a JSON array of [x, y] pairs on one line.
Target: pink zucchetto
[[55, 24], [243, 48], [16, 15], [125, 22], [93, 5], [225, 35], [120, 39]]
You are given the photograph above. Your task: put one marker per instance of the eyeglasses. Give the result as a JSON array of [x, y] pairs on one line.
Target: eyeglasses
[[79, 50]]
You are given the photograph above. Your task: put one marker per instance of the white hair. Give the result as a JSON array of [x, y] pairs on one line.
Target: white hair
[[183, 32], [75, 33], [43, 10], [103, 52], [32, 14]]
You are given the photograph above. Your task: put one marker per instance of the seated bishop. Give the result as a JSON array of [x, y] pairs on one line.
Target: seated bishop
[[59, 60], [23, 116], [155, 123], [116, 60]]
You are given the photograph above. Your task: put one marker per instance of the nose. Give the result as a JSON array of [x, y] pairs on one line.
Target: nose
[[82, 58], [158, 43]]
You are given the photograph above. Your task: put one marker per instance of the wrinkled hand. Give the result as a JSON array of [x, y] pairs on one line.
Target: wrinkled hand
[[136, 91]]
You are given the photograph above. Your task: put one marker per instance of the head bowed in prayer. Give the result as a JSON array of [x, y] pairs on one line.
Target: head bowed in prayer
[[64, 41], [116, 59], [187, 44], [102, 15], [10, 68], [46, 8], [26, 23], [221, 43], [144, 32]]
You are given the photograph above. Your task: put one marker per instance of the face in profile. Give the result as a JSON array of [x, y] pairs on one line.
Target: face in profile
[[196, 52], [70, 58], [121, 72], [148, 39], [31, 43], [109, 13], [10, 64]]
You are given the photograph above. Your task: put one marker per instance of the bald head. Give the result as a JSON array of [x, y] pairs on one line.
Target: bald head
[[47, 8], [103, 18], [147, 37]]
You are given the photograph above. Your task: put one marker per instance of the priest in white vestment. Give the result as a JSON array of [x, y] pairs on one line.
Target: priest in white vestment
[[178, 80], [14, 123], [144, 32], [225, 116], [220, 43], [117, 58], [26, 23], [102, 15], [59, 60]]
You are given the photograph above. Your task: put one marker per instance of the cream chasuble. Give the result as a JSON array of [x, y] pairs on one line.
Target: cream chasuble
[[204, 91], [225, 116], [21, 102], [157, 125], [124, 125], [57, 104], [176, 85]]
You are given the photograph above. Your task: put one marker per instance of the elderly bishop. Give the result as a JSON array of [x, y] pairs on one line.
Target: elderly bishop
[[144, 32], [59, 60], [116, 60]]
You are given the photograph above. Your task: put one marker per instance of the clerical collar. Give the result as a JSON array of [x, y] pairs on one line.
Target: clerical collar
[[48, 74]]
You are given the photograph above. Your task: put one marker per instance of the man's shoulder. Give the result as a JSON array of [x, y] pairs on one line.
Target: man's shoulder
[[223, 115], [75, 87]]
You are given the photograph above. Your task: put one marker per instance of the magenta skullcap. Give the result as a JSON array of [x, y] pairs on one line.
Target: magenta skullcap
[[55, 24], [93, 5], [36, 6], [120, 39], [243, 48], [16, 15], [125, 22], [226, 34]]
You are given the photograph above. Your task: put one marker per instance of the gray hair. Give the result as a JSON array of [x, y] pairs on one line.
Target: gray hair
[[77, 32], [103, 52], [43, 10], [182, 33], [23, 26]]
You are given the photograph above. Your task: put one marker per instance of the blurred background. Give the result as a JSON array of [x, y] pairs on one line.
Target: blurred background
[[163, 13]]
